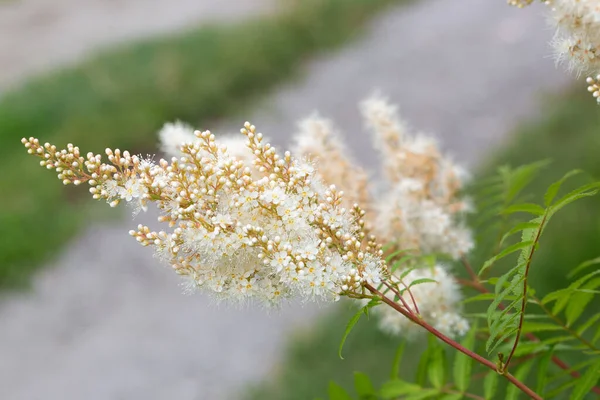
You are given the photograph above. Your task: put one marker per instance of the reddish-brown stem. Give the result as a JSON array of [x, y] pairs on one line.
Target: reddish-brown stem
[[412, 298], [452, 343], [466, 282], [470, 270], [476, 284], [397, 293]]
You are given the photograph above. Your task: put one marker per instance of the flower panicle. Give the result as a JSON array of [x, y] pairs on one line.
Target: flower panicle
[[269, 230], [422, 204]]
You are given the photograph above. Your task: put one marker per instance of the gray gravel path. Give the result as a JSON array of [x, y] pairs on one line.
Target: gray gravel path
[[104, 321]]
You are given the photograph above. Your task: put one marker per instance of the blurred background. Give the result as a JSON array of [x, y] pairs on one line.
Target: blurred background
[[86, 313]]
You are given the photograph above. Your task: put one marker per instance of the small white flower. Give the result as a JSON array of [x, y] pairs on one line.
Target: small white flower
[[274, 196], [111, 187], [280, 260], [131, 190], [222, 220]]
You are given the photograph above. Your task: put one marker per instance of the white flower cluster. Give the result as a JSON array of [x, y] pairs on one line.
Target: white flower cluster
[[438, 303], [419, 209], [237, 237], [577, 40]]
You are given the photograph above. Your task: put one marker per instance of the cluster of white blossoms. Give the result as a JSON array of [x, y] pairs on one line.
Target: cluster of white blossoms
[[420, 207], [282, 235], [577, 40]]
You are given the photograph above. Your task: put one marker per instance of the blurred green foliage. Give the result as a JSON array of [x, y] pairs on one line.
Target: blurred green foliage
[[566, 132], [120, 98]]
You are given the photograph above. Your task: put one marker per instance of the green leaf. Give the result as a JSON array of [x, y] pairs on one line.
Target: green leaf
[[566, 373], [562, 389], [590, 291], [397, 359], [421, 281], [589, 283], [354, 320], [363, 385], [509, 250], [517, 179], [555, 187], [588, 324], [400, 262], [423, 394], [349, 327], [583, 266], [584, 191], [577, 306], [559, 339], [336, 392], [557, 294], [563, 296], [394, 388], [436, 368], [464, 364], [529, 208], [452, 396], [597, 335], [480, 297], [406, 272], [393, 255], [422, 367], [490, 385], [518, 228], [542, 375], [533, 326], [513, 392], [586, 382], [562, 302], [524, 348], [505, 335], [503, 324], [582, 280]]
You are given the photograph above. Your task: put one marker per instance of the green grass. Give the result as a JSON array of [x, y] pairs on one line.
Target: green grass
[[568, 132], [122, 97]]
